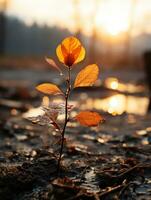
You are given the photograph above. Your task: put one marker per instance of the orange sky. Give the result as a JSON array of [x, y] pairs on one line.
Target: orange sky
[[111, 16]]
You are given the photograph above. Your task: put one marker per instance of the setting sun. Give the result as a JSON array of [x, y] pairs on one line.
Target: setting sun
[[114, 27], [114, 18]]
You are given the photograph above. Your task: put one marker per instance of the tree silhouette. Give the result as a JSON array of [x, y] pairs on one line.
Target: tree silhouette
[[3, 5]]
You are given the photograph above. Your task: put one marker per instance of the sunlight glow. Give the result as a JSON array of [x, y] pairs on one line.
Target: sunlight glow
[[112, 83], [110, 17], [45, 101], [114, 17], [116, 105]]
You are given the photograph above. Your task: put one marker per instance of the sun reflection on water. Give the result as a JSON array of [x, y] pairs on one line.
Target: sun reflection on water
[[114, 105], [115, 84], [112, 83], [118, 104]]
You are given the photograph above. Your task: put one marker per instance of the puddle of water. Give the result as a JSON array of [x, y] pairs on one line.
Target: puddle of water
[[118, 104], [114, 84], [115, 105]]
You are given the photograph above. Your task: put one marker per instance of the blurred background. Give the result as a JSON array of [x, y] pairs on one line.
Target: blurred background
[[115, 33]]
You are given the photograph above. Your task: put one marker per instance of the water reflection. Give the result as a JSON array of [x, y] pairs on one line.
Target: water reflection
[[115, 84], [118, 104], [112, 83], [115, 105]]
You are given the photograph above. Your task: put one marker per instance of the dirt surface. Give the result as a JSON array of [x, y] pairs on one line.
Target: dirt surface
[[109, 162]]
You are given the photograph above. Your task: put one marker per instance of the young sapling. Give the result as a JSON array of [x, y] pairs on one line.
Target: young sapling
[[69, 52]]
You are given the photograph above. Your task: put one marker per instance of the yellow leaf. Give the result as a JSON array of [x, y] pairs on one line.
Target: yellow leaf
[[70, 51], [87, 118], [53, 64], [87, 76], [48, 88]]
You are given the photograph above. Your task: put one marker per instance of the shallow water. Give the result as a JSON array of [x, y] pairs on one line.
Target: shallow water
[[114, 105], [129, 98], [118, 104]]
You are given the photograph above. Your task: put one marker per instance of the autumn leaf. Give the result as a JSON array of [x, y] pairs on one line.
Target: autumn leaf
[[87, 76], [70, 51], [53, 64], [87, 118], [49, 88]]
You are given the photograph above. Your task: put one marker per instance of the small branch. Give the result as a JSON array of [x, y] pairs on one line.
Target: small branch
[[114, 189], [123, 190]]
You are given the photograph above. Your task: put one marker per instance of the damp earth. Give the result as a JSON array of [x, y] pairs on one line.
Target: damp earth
[[110, 162]]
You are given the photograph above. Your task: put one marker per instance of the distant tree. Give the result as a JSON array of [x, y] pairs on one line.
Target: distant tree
[[22, 39], [2, 26]]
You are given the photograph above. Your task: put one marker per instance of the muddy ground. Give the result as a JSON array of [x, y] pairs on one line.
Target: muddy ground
[[110, 162]]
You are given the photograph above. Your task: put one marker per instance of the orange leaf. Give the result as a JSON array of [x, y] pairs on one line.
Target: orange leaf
[[87, 118], [48, 88], [70, 51], [53, 64], [87, 76]]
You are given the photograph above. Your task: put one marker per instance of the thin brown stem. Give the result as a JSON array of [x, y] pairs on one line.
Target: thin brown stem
[[66, 118]]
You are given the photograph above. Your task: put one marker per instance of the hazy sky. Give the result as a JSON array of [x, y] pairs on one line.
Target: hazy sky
[[111, 16]]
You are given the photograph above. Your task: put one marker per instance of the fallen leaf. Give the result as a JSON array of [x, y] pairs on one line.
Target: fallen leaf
[[49, 88], [87, 76], [87, 118]]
